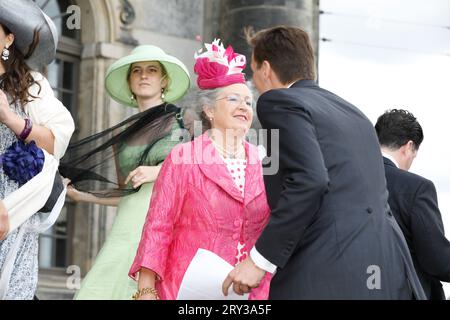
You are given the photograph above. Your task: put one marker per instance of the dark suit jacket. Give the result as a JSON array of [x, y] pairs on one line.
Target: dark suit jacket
[[331, 232], [413, 201]]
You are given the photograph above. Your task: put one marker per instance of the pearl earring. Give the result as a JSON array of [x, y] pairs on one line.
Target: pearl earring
[[5, 54], [163, 96]]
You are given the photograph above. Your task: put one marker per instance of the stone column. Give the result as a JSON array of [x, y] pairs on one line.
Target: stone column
[[234, 15]]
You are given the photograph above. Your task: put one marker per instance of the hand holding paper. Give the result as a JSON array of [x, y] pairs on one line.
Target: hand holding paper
[[244, 277], [204, 277]]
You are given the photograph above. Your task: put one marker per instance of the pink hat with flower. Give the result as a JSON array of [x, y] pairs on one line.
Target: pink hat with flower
[[217, 67]]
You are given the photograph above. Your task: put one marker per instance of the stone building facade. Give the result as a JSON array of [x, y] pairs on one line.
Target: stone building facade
[[94, 33]]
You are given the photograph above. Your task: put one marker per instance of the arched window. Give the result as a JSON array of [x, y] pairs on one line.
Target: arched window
[[63, 74]]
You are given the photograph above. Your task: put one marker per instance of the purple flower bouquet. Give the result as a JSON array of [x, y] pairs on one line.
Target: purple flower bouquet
[[21, 161]]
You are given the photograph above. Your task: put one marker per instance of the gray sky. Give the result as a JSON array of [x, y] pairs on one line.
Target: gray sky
[[387, 54]]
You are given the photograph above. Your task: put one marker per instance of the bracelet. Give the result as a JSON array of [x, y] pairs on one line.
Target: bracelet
[[145, 291], [26, 130]]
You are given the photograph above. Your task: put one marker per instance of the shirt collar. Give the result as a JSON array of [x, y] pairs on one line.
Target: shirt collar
[[390, 158]]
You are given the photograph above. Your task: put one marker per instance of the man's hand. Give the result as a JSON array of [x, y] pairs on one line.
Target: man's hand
[[4, 222], [244, 277]]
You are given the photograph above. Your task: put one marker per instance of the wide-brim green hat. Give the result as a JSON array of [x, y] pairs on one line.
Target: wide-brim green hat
[[117, 75]]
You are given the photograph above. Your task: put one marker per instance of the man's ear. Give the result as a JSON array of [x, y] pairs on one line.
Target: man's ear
[[266, 69], [270, 76], [404, 149], [412, 146]]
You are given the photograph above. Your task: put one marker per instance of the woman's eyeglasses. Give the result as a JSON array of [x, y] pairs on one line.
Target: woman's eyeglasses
[[237, 100]]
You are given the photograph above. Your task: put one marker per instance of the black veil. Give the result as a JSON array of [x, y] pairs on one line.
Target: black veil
[[92, 163]]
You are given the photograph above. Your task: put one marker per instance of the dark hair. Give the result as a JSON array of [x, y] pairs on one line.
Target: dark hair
[[397, 127], [17, 79], [287, 49]]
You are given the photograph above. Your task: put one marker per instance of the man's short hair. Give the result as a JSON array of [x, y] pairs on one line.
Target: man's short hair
[[287, 49], [396, 127]]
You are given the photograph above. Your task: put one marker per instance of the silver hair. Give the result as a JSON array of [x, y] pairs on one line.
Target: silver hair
[[205, 98]]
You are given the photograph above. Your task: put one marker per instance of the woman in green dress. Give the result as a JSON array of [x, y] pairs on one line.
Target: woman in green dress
[[150, 80]]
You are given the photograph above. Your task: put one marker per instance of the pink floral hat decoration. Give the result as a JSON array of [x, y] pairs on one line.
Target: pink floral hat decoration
[[217, 67]]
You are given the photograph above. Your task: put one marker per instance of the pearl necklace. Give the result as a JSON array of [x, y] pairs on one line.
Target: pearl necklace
[[227, 154]]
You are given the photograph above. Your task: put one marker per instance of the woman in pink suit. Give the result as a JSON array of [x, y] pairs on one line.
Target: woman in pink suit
[[210, 192]]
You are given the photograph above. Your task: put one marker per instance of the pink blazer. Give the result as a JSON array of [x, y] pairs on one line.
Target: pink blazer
[[195, 204]]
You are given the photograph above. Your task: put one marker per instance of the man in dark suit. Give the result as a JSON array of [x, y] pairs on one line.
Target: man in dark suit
[[413, 200], [331, 234]]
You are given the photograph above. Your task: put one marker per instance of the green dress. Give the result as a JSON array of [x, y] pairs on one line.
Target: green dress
[[108, 278]]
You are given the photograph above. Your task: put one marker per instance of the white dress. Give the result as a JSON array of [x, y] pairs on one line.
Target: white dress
[[21, 281]]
